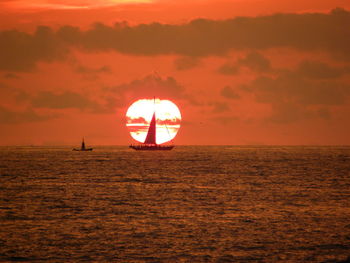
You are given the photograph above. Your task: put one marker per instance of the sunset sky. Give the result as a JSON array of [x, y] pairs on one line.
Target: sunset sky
[[242, 72]]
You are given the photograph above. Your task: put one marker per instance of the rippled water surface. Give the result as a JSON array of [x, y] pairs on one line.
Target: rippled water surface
[[192, 204]]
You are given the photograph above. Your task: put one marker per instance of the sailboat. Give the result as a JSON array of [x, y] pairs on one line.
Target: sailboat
[[150, 141], [83, 148]]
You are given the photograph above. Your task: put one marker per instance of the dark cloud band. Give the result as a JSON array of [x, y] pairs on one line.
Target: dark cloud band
[[202, 37]]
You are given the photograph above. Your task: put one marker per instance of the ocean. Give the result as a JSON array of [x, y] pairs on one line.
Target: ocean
[[191, 204]]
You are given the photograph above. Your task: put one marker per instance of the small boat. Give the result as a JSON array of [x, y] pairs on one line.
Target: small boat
[[150, 141], [83, 148], [151, 147]]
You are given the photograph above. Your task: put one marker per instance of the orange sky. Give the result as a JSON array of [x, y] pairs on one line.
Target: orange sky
[[241, 71]]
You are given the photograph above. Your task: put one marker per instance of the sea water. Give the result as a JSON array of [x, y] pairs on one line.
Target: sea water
[[191, 204]]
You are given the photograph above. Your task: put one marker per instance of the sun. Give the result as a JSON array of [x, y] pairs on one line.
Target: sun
[[139, 115]]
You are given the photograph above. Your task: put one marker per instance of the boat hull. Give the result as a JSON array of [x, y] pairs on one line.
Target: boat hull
[[83, 150], [156, 147]]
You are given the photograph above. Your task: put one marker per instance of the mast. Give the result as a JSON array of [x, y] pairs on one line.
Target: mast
[[83, 145], [152, 130]]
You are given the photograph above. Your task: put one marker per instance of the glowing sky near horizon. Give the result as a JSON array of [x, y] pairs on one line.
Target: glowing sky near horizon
[[56, 4]]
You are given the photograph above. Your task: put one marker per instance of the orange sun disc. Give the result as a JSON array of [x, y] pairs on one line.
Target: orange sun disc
[[139, 116]]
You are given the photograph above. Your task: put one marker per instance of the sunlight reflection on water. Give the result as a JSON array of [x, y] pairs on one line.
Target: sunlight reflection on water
[[199, 204]]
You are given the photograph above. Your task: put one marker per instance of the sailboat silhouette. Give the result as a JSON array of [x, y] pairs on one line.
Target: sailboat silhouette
[[83, 148], [150, 143]]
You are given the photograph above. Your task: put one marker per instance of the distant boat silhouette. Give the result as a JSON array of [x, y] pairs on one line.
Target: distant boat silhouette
[[83, 148], [150, 141]]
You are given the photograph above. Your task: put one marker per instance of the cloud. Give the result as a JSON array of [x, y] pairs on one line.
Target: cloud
[[72, 100], [87, 70], [225, 120], [139, 120], [324, 113], [294, 88], [169, 122], [204, 37], [107, 100], [149, 86], [12, 117], [319, 70], [90, 73], [185, 63], [229, 93], [4, 87], [286, 112], [21, 51], [46, 99], [219, 107], [229, 69], [199, 38], [11, 76], [59, 100], [255, 61], [294, 96], [12, 92]]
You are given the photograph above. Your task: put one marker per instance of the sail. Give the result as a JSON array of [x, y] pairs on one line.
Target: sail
[[151, 134], [83, 145]]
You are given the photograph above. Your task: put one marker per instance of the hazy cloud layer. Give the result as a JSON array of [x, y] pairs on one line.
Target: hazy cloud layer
[[225, 120], [169, 122], [106, 101], [229, 69], [229, 93], [21, 51], [290, 87], [57, 101], [255, 61], [12, 117], [202, 37], [185, 63], [149, 86], [319, 70], [92, 73], [11, 76], [136, 120], [87, 70], [8, 91], [46, 99], [219, 107], [73, 100], [294, 96]]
